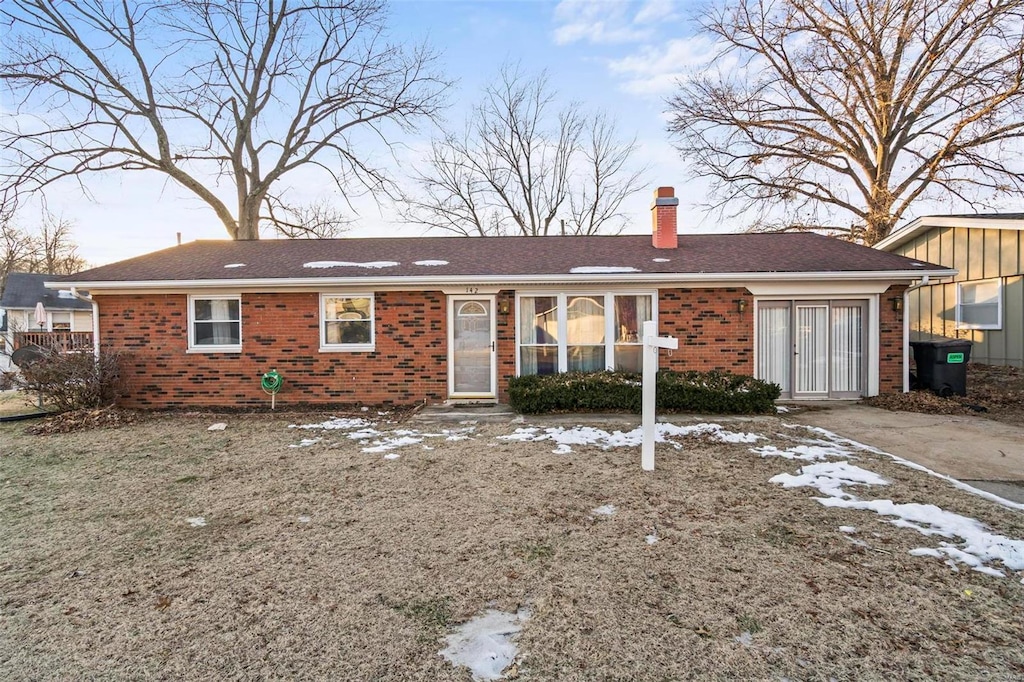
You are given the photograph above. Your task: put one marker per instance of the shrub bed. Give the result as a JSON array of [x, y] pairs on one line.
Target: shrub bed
[[704, 392]]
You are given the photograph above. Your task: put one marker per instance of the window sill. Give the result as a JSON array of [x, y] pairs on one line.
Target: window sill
[[353, 348], [214, 349]]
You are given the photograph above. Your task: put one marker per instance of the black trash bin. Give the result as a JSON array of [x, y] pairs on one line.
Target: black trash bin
[[942, 365]]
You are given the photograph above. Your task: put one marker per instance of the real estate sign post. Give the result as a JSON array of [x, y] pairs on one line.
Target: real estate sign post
[[652, 342]]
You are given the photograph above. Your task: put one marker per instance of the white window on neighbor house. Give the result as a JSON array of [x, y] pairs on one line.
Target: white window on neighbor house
[[581, 332], [60, 321], [215, 323], [979, 305], [346, 322]]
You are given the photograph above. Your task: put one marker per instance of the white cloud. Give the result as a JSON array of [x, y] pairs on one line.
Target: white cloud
[[655, 70], [611, 22]]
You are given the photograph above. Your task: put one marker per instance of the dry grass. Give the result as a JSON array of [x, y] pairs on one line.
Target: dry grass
[[101, 576], [17, 402]]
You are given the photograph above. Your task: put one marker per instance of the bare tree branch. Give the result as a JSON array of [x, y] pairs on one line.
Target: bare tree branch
[[239, 91], [522, 168], [856, 108]]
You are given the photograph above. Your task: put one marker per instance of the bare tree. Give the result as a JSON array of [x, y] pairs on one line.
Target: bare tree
[[856, 108], [239, 92], [49, 248], [521, 167]]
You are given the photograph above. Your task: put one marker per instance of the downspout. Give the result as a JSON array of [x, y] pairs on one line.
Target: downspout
[[96, 320], [906, 331]]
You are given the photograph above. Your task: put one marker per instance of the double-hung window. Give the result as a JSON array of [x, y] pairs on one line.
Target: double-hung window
[[979, 305], [346, 322], [582, 332], [215, 323]]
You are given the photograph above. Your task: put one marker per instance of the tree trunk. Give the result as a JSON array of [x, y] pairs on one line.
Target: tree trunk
[[249, 218]]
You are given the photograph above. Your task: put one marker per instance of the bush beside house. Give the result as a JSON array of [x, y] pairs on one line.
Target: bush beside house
[[705, 392]]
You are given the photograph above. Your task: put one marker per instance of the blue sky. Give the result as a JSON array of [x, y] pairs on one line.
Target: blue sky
[[614, 56]]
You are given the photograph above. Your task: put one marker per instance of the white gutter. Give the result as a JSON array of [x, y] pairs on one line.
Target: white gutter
[[906, 331], [95, 320], [507, 280]]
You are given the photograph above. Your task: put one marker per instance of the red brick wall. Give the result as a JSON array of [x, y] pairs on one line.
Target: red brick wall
[[279, 331], [890, 342], [712, 333]]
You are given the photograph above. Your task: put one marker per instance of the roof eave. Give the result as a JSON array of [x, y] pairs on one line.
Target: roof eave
[[925, 223], [441, 280]]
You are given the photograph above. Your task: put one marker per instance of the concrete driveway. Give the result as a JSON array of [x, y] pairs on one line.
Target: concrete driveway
[[984, 453]]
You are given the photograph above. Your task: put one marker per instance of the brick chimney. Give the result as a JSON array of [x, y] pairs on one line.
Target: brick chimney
[[663, 217]]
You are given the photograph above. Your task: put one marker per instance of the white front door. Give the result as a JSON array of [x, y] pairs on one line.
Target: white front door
[[472, 367]]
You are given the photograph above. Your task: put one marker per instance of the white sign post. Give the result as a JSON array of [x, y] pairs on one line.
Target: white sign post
[[652, 342]]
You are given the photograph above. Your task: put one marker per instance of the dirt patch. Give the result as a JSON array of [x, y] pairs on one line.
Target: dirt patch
[[325, 561], [993, 392]]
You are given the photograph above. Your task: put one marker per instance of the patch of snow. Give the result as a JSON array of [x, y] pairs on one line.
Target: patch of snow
[[745, 638], [782, 409], [65, 293], [661, 260], [651, 539], [373, 265], [485, 644], [305, 443], [219, 426], [431, 263], [805, 452], [385, 444], [847, 529], [912, 465], [196, 521], [604, 510], [588, 435], [337, 423], [235, 265], [391, 455], [305, 519], [829, 478], [600, 270], [977, 548]]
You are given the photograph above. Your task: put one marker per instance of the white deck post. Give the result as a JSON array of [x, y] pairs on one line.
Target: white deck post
[[652, 342]]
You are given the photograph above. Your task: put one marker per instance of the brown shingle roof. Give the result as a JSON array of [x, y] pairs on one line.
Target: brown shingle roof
[[496, 257]]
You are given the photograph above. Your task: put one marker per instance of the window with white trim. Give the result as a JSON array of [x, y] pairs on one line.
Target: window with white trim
[[979, 304], [582, 332], [346, 322], [215, 323]]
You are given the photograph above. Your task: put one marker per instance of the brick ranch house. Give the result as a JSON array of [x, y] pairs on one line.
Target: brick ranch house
[[403, 320]]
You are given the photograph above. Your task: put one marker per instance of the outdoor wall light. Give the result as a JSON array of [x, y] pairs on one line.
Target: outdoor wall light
[[503, 308], [897, 303], [741, 305]]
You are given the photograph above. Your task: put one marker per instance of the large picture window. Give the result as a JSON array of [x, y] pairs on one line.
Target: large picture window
[[346, 322], [979, 305], [215, 323], [538, 334], [582, 332]]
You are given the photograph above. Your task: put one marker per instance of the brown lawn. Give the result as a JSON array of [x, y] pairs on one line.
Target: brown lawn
[[101, 575]]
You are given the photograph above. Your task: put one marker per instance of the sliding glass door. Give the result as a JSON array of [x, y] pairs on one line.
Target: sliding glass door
[[813, 349]]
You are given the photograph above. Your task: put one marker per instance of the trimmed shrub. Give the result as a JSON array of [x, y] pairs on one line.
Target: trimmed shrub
[[73, 381], [704, 392]]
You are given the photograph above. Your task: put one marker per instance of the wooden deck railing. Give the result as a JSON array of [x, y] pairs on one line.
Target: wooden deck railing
[[65, 342]]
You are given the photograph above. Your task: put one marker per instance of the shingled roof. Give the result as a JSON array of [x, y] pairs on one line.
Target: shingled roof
[[496, 259], [23, 290]]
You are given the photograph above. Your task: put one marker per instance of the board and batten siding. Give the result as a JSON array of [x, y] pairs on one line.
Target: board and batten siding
[[978, 254]]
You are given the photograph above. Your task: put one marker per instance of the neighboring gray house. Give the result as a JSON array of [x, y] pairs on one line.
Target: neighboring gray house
[[68, 320], [985, 302]]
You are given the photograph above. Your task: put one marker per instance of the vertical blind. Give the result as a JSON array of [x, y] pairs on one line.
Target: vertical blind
[[774, 348], [812, 348]]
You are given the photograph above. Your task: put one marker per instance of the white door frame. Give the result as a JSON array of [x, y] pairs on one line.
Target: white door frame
[[491, 300]]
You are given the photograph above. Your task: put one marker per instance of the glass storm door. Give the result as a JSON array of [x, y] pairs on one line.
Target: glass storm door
[[471, 356]]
